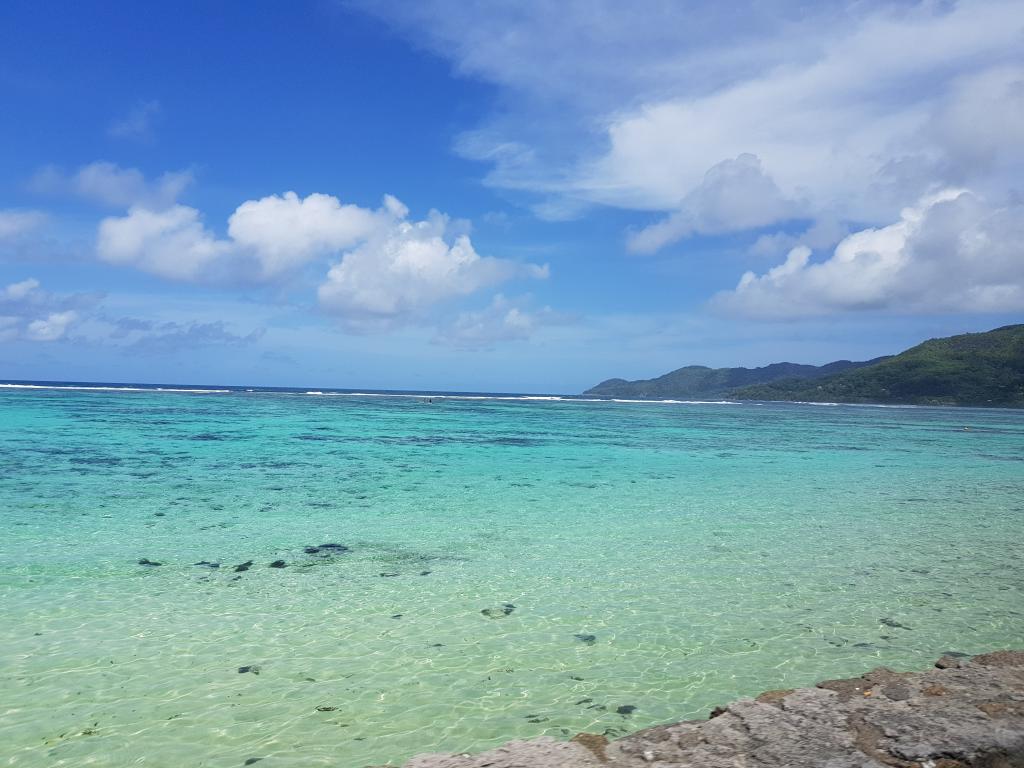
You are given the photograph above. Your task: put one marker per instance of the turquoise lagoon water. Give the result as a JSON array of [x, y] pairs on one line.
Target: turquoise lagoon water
[[667, 557]]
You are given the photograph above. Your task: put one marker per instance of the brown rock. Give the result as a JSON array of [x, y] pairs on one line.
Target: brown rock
[[595, 742], [774, 697], [1001, 659]]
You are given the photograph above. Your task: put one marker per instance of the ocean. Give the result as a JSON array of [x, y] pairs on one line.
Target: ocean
[[210, 576]]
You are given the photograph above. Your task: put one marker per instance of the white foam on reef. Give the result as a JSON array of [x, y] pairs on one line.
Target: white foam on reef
[[854, 405], [670, 402], [97, 388], [408, 395], [518, 398]]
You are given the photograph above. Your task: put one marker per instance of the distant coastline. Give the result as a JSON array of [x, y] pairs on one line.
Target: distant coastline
[[974, 369]]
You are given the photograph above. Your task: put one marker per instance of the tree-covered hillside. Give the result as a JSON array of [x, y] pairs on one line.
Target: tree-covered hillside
[[970, 369], [984, 369], [698, 381]]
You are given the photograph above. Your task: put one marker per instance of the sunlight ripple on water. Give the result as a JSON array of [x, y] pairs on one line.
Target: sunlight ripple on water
[[448, 576]]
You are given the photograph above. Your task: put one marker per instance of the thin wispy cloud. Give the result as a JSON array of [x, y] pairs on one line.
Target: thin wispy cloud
[[138, 123], [16, 222], [853, 110], [110, 185]]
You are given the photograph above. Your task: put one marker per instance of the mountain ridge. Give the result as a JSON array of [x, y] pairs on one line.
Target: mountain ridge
[[985, 369]]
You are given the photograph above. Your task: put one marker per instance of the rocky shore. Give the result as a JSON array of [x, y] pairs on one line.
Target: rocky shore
[[963, 713]]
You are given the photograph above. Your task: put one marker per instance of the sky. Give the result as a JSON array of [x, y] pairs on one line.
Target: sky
[[501, 196]]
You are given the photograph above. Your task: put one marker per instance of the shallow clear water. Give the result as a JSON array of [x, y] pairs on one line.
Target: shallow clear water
[[667, 557]]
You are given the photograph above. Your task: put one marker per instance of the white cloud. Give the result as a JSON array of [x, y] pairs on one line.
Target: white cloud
[[285, 232], [390, 267], [172, 243], [138, 123], [561, 53], [51, 327], [501, 321], [267, 238], [19, 291], [14, 223], [409, 266], [30, 313], [832, 129], [823, 233], [111, 185], [854, 109], [734, 194], [951, 252], [980, 123]]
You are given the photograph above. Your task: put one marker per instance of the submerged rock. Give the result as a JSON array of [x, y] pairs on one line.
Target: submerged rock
[[147, 561], [586, 639], [894, 624], [207, 564], [279, 564], [498, 613], [249, 668], [243, 566]]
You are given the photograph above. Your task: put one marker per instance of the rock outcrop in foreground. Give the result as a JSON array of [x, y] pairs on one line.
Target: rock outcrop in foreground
[[962, 713]]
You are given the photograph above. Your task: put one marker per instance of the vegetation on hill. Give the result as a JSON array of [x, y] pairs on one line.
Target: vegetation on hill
[[698, 381], [971, 369]]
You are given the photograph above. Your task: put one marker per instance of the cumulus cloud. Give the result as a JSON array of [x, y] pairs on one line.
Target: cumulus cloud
[[138, 122], [14, 223], [734, 194], [501, 321], [51, 327], [172, 243], [950, 252], [32, 314], [267, 238], [409, 266], [390, 266], [287, 231], [110, 185]]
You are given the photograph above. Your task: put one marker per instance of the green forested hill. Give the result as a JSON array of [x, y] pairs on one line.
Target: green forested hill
[[697, 381], [970, 369]]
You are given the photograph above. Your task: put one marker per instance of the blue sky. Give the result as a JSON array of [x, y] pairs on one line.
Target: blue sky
[[526, 196]]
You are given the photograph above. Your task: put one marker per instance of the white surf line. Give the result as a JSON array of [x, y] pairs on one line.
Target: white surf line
[[83, 388]]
